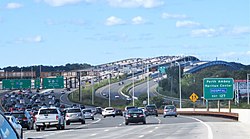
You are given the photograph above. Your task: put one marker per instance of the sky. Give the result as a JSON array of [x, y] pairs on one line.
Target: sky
[[57, 32]]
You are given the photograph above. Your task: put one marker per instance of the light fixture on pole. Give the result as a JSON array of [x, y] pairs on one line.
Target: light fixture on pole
[[148, 83], [179, 80]]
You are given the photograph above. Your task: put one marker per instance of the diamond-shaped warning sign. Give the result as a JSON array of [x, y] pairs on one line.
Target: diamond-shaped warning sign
[[193, 97]]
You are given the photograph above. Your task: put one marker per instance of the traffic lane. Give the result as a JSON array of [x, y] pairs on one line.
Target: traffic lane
[[49, 132], [142, 88], [115, 128]]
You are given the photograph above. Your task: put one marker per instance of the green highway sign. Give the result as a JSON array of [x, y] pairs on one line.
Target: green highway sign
[[37, 83], [218, 88], [162, 70], [16, 84], [50, 83]]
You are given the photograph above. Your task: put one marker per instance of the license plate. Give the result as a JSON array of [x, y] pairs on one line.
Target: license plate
[[46, 123]]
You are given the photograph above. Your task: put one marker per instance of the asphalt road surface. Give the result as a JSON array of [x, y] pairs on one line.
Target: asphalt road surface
[[181, 127]]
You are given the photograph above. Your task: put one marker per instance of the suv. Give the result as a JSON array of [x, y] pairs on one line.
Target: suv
[[109, 111], [151, 110], [74, 115], [49, 117]]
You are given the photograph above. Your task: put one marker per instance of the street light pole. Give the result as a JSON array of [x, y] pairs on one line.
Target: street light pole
[[133, 89], [248, 75], [109, 90], [148, 83], [179, 81]]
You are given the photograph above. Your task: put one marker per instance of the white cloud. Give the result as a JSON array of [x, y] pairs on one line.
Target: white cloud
[[13, 5], [173, 16], [240, 30], [34, 39], [57, 3], [112, 20], [203, 32], [135, 3], [138, 20], [187, 24]]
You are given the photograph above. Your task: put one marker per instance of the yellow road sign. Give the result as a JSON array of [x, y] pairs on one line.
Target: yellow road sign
[[193, 97]]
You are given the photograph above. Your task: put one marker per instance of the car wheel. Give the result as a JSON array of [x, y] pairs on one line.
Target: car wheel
[[175, 116], [38, 128], [93, 118], [113, 115], [144, 122], [104, 116], [43, 128], [67, 122], [164, 116], [156, 115], [83, 122], [126, 123]]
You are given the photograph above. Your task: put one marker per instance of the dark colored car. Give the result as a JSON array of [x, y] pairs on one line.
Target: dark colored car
[[135, 115], [25, 119], [98, 110], [151, 110], [118, 112]]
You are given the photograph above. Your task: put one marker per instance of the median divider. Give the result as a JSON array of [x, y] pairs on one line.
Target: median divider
[[234, 116]]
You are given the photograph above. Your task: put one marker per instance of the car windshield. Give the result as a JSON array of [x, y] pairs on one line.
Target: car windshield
[[18, 115], [169, 107], [151, 107], [135, 111], [74, 110], [48, 111]]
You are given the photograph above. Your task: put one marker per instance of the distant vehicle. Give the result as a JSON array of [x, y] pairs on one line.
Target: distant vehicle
[[88, 114], [98, 110], [74, 115], [151, 110], [15, 124], [24, 118], [169, 110], [49, 117], [6, 126], [135, 115], [117, 96], [118, 112], [143, 109], [109, 111]]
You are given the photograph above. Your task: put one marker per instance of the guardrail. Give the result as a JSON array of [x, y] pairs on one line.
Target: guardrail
[[234, 116]]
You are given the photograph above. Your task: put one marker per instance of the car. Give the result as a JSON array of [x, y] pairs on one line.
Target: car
[[98, 110], [74, 115], [109, 111], [135, 115], [169, 110], [151, 109], [15, 124], [24, 118], [48, 117], [88, 114], [7, 129], [118, 112], [143, 108]]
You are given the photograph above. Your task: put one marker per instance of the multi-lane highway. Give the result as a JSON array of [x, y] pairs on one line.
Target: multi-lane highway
[[182, 127]]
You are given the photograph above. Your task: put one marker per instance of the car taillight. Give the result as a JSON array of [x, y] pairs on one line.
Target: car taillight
[[128, 115], [174, 110], [67, 115], [141, 115], [57, 117], [25, 119]]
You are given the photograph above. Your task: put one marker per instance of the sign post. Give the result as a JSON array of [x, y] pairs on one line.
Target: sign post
[[194, 98], [218, 89]]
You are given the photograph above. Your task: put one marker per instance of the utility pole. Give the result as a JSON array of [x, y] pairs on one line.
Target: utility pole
[[133, 89], [109, 90], [148, 83], [179, 81]]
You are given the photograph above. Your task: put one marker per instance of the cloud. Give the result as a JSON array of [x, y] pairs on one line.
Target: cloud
[[187, 24], [203, 32], [13, 5], [138, 20], [58, 3], [173, 16], [135, 3], [34, 39], [240, 30], [112, 20]]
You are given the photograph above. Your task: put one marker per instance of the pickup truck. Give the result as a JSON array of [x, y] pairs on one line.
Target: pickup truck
[[49, 117]]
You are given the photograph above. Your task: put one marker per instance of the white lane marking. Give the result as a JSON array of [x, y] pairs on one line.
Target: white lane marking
[[159, 120], [210, 133], [156, 127], [93, 134], [99, 119], [106, 130], [141, 136], [151, 131]]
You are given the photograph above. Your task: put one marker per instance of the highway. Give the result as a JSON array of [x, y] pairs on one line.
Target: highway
[[181, 127]]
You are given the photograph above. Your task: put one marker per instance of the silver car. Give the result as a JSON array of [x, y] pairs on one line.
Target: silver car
[[169, 110], [88, 114], [74, 115]]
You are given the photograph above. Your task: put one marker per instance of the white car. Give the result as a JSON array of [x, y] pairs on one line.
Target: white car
[[109, 111], [15, 124]]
